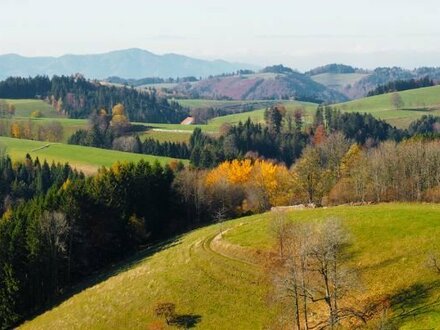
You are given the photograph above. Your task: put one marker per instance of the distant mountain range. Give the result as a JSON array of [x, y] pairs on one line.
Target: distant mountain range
[[131, 64], [220, 79]]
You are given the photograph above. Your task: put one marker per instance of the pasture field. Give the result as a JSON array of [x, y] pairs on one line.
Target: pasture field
[[86, 159], [176, 132], [24, 108], [70, 126], [202, 103], [167, 135], [416, 103], [216, 281], [338, 80]]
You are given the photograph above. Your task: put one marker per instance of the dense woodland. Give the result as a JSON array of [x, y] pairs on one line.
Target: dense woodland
[[79, 98], [58, 226]]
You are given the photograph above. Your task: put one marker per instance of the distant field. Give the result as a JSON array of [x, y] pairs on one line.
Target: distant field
[[258, 115], [168, 136], [218, 281], [338, 80], [24, 108], [70, 126], [202, 103], [417, 102], [86, 159]]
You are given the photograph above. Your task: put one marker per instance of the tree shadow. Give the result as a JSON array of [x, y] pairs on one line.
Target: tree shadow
[[186, 321], [414, 301]]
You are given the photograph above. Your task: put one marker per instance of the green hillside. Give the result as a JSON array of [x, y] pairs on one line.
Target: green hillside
[[416, 103], [204, 103], [24, 108], [338, 80], [217, 282], [86, 159], [167, 131]]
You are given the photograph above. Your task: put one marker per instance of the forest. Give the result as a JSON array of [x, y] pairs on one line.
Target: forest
[[78, 97]]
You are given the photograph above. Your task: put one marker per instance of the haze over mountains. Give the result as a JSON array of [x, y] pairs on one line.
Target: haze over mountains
[[130, 63], [329, 83]]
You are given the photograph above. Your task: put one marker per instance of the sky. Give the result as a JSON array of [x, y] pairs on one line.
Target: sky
[[300, 34]]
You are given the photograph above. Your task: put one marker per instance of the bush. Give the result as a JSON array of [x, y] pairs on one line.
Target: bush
[[37, 114]]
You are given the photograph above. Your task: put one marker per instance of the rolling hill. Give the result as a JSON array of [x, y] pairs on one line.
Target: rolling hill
[[216, 281], [356, 83], [130, 63], [416, 103], [269, 84], [86, 159]]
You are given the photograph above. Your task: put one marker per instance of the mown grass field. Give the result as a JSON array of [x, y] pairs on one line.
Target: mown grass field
[[217, 282], [417, 102], [86, 159]]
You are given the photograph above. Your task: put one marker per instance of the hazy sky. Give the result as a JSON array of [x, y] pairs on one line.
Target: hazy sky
[[301, 34]]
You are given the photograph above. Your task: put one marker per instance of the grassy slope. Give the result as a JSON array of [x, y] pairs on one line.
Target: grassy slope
[[24, 108], [338, 80], [202, 103], [207, 277], [86, 159], [417, 102], [214, 124]]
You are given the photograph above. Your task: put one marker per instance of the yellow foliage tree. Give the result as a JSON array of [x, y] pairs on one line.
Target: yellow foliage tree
[[118, 110], [234, 172], [350, 159], [119, 120], [266, 184], [15, 130]]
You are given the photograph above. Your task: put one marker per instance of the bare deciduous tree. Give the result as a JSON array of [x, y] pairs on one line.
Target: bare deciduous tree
[[311, 270]]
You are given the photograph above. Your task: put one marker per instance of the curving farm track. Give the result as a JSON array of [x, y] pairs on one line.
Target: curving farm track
[[203, 275]]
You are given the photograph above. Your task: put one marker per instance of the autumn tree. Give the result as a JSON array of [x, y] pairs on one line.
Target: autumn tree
[[15, 130], [119, 120], [310, 175]]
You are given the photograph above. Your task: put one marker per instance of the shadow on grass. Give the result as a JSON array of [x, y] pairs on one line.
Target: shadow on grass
[[414, 301], [186, 321], [106, 273]]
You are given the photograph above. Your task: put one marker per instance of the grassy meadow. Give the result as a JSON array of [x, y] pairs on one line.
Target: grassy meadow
[[218, 282], [338, 80], [86, 159], [416, 103], [24, 108]]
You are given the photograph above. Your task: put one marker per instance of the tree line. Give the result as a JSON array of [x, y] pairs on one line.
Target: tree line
[[283, 137], [401, 85], [78, 97], [51, 131]]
